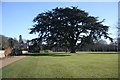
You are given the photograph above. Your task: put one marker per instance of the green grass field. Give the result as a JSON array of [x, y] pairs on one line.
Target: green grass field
[[64, 65]]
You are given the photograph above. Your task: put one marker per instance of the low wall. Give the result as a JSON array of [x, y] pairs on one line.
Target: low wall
[[24, 52], [2, 53]]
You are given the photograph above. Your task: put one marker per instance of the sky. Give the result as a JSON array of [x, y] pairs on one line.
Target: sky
[[17, 17]]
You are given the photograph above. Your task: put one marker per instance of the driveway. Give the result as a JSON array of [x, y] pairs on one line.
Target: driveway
[[8, 60]]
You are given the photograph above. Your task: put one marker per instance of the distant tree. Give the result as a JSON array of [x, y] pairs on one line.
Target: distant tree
[[15, 41], [3, 41], [118, 38], [11, 42], [69, 27], [102, 45], [118, 44], [7, 42]]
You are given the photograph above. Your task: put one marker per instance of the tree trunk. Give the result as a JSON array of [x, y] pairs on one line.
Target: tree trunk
[[72, 50]]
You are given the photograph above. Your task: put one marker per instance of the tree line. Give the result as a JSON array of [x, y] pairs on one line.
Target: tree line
[[10, 42], [6, 42]]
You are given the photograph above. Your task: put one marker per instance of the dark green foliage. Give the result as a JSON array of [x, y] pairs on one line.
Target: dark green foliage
[[68, 27], [16, 52], [35, 47]]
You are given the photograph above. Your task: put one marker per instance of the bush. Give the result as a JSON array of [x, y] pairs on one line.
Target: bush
[[45, 51]]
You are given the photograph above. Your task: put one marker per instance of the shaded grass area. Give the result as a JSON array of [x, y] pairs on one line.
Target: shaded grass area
[[46, 54], [64, 65]]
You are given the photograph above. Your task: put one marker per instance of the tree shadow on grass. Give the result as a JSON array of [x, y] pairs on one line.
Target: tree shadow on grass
[[104, 53], [45, 54]]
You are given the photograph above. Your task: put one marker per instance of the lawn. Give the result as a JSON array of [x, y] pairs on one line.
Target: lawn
[[64, 65]]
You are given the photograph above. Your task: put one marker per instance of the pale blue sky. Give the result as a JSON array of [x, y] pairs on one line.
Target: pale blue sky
[[17, 16]]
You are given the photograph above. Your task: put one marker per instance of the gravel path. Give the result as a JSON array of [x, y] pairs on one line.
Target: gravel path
[[8, 60]]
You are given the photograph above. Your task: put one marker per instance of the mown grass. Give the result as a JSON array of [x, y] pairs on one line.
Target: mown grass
[[64, 65]]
